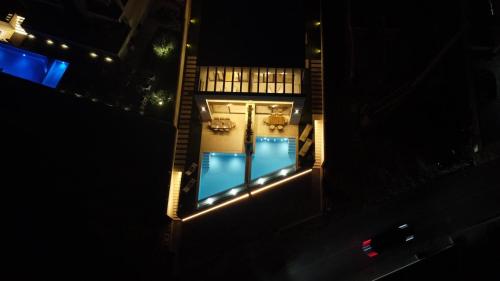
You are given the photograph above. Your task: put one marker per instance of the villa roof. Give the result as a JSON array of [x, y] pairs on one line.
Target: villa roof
[[252, 33]]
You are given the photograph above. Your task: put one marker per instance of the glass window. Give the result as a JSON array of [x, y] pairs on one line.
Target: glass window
[[211, 79], [262, 79], [245, 76], [280, 79], [271, 80], [254, 80], [297, 81], [288, 81], [228, 80], [220, 79], [203, 79], [237, 80]]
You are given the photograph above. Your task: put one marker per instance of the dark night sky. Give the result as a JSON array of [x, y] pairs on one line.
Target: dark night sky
[[233, 34]]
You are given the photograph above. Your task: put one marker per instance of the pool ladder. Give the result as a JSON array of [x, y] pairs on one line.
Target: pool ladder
[[205, 162], [292, 147]]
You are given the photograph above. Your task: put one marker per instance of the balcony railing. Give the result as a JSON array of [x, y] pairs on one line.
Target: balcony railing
[[261, 80]]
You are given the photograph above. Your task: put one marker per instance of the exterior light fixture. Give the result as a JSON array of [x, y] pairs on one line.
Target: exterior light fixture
[[108, 59], [283, 172], [188, 45], [210, 201], [317, 50], [160, 103], [233, 191], [64, 46], [296, 111], [49, 42], [317, 23], [203, 109], [93, 55], [31, 36], [261, 181], [193, 21]]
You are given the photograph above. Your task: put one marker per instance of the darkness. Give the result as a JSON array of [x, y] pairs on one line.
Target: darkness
[[252, 33], [412, 115], [84, 187]]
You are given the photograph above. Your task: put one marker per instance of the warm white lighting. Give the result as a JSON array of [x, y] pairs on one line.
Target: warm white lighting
[[93, 55], [160, 103], [193, 20], [317, 50], [317, 23], [108, 59], [280, 182], [203, 109], [296, 111], [188, 45], [64, 46], [244, 196], [31, 36], [49, 42]]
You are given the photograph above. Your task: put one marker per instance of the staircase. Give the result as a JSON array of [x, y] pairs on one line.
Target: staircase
[[205, 162], [317, 86], [186, 107], [292, 147]]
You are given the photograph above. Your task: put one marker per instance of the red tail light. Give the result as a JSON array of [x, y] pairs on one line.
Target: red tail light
[[367, 242], [372, 254]]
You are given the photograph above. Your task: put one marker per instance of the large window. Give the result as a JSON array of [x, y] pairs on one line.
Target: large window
[[260, 80]]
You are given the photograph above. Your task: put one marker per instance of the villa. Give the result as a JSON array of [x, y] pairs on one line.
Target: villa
[[249, 113]]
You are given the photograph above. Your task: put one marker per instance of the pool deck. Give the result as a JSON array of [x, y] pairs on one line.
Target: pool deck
[[228, 142], [233, 141]]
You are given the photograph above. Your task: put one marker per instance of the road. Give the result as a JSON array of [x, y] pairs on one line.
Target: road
[[330, 249]]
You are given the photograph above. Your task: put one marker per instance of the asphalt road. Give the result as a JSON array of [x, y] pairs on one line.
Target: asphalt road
[[330, 249]]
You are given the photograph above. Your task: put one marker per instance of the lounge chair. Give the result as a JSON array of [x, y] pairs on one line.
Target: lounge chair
[[305, 147], [191, 169], [305, 133], [280, 127], [189, 185], [272, 127]]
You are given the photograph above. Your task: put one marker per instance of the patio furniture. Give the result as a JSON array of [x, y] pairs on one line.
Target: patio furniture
[[221, 124], [280, 127], [305, 133], [191, 169], [271, 127], [305, 147], [189, 185]]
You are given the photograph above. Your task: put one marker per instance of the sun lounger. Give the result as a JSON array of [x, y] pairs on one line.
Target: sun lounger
[[191, 169], [305, 147], [305, 133], [280, 127], [189, 185]]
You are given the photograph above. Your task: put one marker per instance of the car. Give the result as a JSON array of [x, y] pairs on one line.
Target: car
[[399, 235]]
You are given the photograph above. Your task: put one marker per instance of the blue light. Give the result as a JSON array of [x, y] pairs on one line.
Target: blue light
[[24, 55]]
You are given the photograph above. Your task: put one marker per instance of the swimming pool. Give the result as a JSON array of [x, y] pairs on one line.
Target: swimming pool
[[31, 66], [272, 154], [220, 172]]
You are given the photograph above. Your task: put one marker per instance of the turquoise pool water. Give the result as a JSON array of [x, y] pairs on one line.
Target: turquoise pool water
[[220, 172], [272, 154], [31, 66]]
